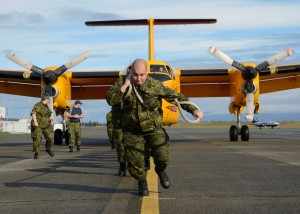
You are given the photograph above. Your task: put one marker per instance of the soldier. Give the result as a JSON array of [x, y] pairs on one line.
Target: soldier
[[41, 125], [74, 114], [116, 112], [109, 130], [143, 122]]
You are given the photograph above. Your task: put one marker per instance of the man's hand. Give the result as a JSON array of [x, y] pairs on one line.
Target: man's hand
[[198, 114], [126, 84], [36, 124]]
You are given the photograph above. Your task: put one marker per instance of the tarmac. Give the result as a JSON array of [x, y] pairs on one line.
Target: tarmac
[[209, 174]]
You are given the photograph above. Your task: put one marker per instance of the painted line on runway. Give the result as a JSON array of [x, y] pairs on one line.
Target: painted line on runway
[[150, 203]]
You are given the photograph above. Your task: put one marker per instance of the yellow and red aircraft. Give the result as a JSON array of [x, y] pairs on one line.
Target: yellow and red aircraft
[[243, 83]]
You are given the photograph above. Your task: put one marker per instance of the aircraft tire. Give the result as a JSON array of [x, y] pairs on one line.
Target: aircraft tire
[[58, 137], [245, 133], [233, 133]]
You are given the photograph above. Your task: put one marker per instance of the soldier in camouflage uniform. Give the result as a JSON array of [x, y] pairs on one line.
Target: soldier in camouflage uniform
[[115, 134], [116, 112], [41, 125], [74, 114], [143, 122], [109, 130]]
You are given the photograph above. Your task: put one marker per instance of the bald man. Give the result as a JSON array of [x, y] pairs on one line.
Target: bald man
[[142, 122]]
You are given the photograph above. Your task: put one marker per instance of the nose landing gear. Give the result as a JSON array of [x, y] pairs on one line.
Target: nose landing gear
[[235, 131]]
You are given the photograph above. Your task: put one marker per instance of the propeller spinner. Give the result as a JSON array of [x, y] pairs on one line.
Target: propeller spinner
[[249, 73]]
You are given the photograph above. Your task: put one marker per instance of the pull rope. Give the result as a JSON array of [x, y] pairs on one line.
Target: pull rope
[[177, 103]]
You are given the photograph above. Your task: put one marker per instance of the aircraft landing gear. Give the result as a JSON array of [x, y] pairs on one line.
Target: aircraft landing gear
[[60, 133], [235, 131]]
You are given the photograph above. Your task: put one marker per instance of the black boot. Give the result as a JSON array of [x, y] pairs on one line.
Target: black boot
[[143, 188], [78, 148], [71, 148], [50, 152], [36, 155], [122, 169], [147, 164], [163, 177]]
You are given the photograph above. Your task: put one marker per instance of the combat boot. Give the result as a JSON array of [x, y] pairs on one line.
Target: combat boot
[[78, 148], [50, 152], [164, 178], [147, 164], [122, 169], [36, 155], [71, 148], [143, 188]]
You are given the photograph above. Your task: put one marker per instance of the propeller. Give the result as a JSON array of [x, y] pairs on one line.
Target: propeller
[[249, 73], [50, 76]]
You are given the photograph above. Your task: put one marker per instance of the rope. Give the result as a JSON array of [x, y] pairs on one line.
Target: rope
[[177, 103]]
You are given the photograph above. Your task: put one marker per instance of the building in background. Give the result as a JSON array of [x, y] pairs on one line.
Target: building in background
[[13, 125]]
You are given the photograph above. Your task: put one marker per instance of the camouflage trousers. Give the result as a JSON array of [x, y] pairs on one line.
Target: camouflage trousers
[[118, 140], [37, 135], [135, 143], [74, 132], [110, 133]]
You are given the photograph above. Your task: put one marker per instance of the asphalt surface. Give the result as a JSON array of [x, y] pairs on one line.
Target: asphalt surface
[[209, 174]]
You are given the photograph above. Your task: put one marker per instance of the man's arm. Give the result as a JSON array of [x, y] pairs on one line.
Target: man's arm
[[34, 119], [114, 94], [170, 95]]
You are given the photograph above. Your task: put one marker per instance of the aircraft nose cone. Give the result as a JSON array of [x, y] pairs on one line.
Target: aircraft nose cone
[[249, 73]]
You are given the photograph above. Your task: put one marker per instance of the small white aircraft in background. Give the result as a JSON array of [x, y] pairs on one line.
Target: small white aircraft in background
[[261, 124]]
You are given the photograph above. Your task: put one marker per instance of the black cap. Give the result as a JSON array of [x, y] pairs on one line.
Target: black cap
[[78, 102]]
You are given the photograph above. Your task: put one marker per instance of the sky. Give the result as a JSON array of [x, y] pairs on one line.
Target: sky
[[50, 33]]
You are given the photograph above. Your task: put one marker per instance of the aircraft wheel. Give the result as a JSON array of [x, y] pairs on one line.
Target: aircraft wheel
[[245, 133], [233, 133], [58, 137]]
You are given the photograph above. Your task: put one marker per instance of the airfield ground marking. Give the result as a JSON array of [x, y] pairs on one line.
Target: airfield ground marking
[[150, 203]]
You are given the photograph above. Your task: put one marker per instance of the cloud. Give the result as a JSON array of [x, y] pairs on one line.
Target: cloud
[[21, 20]]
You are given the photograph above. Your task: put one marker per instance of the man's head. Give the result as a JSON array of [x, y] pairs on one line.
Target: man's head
[[45, 98], [139, 71], [78, 102]]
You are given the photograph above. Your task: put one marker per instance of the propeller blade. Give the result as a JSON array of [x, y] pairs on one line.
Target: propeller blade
[[249, 106], [48, 89], [281, 56], [24, 63], [225, 58], [51, 104], [275, 59], [78, 59]]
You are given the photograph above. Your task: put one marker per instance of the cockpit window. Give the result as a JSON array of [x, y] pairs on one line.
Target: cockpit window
[[158, 68]]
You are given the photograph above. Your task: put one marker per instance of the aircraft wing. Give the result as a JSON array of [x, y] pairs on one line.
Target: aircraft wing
[[216, 82], [24, 83], [283, 78], [205, 82], [85, 84], [92, 84]]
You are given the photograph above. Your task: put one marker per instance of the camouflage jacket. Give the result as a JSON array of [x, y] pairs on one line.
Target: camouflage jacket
[[144, 117], [43, 114]]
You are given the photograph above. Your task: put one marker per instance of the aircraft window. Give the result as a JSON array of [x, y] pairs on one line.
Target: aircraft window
[[160, 77], [171, 72], [158, 68]]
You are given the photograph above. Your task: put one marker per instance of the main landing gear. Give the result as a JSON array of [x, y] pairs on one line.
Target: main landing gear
[[235, 131]]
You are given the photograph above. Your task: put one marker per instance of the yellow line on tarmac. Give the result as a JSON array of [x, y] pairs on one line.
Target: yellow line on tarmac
[[150, 203]]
